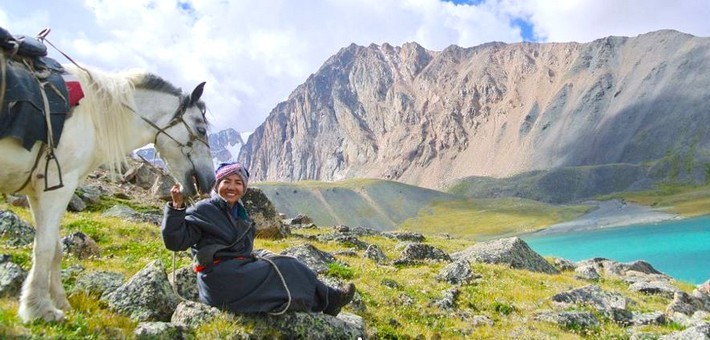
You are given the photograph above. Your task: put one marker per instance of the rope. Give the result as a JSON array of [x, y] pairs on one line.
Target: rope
[[174, 283], [283, 281]]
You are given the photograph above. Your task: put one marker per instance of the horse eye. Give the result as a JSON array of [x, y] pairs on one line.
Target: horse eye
[[202, 130]]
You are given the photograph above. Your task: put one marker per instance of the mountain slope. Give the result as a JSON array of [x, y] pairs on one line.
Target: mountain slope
[[428, 118]]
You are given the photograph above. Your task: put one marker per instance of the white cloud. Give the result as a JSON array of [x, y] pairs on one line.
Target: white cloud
[[254, 53]]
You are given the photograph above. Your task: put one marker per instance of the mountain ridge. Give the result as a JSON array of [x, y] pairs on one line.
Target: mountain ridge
[[427, 118]]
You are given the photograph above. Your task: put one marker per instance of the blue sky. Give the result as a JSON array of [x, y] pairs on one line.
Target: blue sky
[[254, 53]]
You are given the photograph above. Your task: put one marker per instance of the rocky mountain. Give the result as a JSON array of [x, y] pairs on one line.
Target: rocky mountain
[[497, 110], [225, 144]]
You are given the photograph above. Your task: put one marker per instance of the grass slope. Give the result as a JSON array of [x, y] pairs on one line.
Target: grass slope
[[398, 300], [388, 205], [372, 203]]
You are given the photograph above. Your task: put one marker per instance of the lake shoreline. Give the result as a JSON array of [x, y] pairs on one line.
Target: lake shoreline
[[609, 214]]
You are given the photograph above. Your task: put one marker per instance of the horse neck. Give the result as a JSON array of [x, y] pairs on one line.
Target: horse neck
[[154, 112]]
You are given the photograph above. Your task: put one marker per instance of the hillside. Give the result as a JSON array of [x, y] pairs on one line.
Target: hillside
[[409, 285], [389, 205], [429, 118]]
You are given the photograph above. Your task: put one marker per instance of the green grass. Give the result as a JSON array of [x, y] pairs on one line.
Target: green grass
[[398, 300], [489, 218]]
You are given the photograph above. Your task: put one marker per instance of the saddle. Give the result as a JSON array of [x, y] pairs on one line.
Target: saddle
[[29, 76], [34, 95]]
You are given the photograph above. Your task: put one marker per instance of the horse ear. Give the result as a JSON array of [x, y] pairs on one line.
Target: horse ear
[[197, 93]]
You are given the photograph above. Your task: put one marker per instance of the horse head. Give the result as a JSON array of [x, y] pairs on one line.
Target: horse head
[[184, 147]]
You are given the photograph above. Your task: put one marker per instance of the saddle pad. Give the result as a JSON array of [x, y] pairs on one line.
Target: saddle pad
[[21, 115]]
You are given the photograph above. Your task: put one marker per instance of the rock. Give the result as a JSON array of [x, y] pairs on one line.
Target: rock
[[160, 330], [414, 252], [405, 236], [587, 272], [692, 333], [456, 273], [263, 212], [127, 213], [656, 287], [305, 326], [375, 253], [80, 245], [11, 278], [18, 232], [347, 240], [192, 314], [147, 296], [99, 283], [17, 200], [300, 219], [161, 187], [569, 320], [613, 305], [315, 259], [511, 251], [652, 318], [684, 303], [185, 283], [91, 194], [564, 264], [448, 301], [76, 204]]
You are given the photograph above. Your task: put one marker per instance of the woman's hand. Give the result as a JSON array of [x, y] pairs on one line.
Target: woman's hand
[[176, 194]]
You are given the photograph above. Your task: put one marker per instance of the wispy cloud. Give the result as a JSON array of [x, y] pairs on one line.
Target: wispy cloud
[[254, 53]]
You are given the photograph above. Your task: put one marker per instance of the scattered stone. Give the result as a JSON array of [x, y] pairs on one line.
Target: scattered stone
[[613, 305], [191, 314], [457, 273], [76, 204], [17, 232], [17, 200], [414, 252], [652, 318], [264, 214], [511, 251], [655, 287], [11, 278], [696, 332], [315, 259], [159, 330], [375, 253], [405, 236], [586, 272], [684, 303], [570, 320], [147, 296], [448, 301], [80, 245], [185, 283], [99, 283], [564, 264]]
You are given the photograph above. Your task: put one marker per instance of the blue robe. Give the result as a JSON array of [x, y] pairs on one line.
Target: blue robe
[[239, 281]]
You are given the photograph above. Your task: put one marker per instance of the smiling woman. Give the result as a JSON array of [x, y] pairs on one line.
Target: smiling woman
[[221, 236]]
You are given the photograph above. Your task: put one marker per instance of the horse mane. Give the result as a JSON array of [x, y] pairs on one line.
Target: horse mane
[[108, 101]]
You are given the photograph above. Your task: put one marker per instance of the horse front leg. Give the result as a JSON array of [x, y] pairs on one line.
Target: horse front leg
[[56, 289], [35, 300]]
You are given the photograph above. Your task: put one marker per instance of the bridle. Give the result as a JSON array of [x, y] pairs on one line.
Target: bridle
[[177, 119]]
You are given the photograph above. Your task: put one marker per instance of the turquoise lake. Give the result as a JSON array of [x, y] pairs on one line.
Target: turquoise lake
[[679, 248]]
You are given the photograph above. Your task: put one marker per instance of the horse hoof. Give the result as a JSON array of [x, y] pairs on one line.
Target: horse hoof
[[53, 315], [63, 305]]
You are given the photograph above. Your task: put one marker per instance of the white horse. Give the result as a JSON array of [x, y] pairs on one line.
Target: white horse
[[119, 113]]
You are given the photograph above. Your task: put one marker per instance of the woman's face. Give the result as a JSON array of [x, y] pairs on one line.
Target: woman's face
[[231, 189]]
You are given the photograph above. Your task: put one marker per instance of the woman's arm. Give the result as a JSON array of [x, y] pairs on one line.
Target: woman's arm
[[177, 233]]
